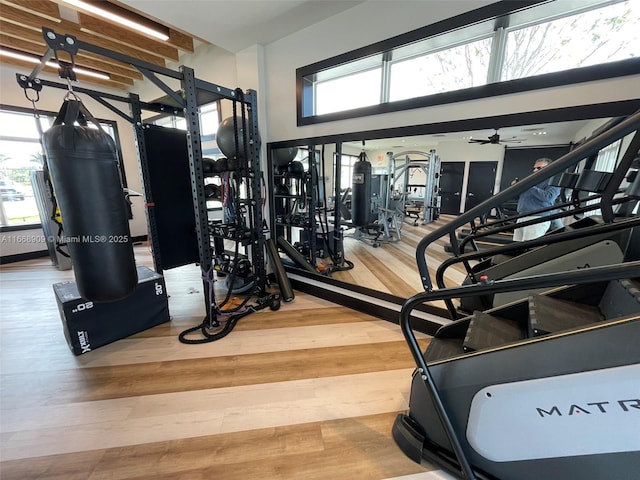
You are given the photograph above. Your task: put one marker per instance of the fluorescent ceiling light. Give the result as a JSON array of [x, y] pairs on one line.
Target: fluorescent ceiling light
[[114, 17], [32, 59]]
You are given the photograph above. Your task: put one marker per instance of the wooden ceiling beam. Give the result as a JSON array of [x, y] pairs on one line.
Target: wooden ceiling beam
[[127, 37], [11, 43], [120, 79], [50, 9], [43, 8], [181, 40], [22, 21], [30, 41], [19, 17], [82, 79]]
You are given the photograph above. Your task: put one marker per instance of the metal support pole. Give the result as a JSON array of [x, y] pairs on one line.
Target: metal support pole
[[254, 179], [43, 61], [337, 178], [197, 176], [312, 203], [143, 165]]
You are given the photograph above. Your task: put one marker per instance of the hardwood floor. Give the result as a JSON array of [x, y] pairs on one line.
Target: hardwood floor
[[306, 392], [391, 267]]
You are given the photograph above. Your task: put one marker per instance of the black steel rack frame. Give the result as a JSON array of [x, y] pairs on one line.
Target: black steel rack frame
[[194, 92], [306, 221]]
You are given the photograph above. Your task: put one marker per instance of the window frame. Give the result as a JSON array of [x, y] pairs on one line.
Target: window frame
[[352, 159], [173, 120], [497, 12], [434, 51]]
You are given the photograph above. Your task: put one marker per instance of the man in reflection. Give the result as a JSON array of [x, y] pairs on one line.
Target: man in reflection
[[537, 197]]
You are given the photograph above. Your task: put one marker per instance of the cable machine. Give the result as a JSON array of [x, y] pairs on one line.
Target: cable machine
[[300, 213], [429, 205], [247, 227]]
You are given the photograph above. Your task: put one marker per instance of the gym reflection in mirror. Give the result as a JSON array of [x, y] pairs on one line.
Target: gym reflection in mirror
[[355, 211]]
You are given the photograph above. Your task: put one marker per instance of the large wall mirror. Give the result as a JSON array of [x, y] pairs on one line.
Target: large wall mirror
[[466, 162]]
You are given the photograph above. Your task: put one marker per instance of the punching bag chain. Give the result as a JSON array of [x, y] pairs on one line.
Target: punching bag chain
[[35, 85]]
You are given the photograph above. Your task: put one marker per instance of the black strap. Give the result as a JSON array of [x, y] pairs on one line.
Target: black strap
[[45, 168], [72, 111]]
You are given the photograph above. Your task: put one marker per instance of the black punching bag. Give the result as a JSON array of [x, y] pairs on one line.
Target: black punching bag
[[82, 163], [361, 192]]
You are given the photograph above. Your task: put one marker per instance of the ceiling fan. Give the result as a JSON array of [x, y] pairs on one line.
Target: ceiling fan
[[494, 140]]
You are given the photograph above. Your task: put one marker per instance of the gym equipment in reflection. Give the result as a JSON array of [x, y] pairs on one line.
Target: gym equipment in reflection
[[367, 192], [591, 242], [379, 202], [413, 175], [300, 223], [483, 383], [182, 190]]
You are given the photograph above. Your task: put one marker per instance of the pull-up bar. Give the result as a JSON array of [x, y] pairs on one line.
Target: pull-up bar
[[194, 92], [71, 45]]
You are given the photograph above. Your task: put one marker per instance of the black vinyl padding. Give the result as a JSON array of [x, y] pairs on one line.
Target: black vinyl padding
[[169, 189], [83, 166]]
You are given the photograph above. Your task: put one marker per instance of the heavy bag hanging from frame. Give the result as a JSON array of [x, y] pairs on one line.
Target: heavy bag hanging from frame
[[361, 192], [83, 168]]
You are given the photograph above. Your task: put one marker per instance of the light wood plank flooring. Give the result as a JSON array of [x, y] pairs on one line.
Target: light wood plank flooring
[[391, 267], [307, 392]]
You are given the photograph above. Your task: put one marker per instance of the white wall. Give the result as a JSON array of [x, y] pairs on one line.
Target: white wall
[[374, 21], [209, 62], [347, 31], [250, 75]]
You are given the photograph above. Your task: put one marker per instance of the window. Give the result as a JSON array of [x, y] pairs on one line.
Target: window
[[20, 154], [346, 170], [209, 122], [608, 157], [444, 62], [346, 93], [454, 68], [606, 161], [589, 38]]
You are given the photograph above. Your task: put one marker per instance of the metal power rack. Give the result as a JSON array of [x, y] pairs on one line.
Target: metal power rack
[[430, 165], [194, 92], [306, 220]]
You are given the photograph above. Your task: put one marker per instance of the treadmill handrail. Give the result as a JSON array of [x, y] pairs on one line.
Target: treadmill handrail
[[504, 228], [536, 242], [505, 224], [588, 148]]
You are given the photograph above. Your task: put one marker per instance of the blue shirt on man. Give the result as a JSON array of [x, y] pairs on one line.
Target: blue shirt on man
[[539, 196]]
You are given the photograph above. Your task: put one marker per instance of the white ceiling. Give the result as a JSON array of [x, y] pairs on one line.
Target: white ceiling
[[237, 24], [561, 133]]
